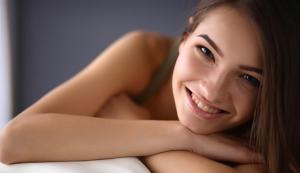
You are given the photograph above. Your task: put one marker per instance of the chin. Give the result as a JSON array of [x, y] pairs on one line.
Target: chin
[[198, 128]]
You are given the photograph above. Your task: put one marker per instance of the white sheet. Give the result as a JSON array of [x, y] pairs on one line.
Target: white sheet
[[119, 165]]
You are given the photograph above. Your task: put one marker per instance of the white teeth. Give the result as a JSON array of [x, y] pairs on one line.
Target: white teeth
[[195, 99], [203, 106]]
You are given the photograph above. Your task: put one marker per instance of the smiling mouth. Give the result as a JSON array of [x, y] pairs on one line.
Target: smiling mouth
[[202, 109]]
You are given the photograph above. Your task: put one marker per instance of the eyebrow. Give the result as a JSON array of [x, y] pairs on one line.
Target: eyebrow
[[253, 69], [218, 50], [212, 43]]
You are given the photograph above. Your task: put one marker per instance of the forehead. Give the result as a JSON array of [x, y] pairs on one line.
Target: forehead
[[233, 32]]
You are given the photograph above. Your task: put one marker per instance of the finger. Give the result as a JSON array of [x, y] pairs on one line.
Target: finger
[[245, 150], [220, 148]]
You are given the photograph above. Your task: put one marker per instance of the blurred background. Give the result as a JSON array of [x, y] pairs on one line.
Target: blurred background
[[45, 42]]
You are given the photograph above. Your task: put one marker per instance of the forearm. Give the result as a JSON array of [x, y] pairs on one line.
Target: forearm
[[60, 137], [185, 161]]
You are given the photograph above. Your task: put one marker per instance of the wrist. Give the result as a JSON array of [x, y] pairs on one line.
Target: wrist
[[181, 137]]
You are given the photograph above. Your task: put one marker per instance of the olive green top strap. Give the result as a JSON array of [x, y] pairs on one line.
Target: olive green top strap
[[161, 75]]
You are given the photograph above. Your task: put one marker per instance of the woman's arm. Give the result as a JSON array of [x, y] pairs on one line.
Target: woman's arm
[[184, 161], [60, 137], [49, 130], [122, 107]]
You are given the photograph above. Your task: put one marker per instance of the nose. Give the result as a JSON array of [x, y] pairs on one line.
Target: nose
[[215, 87]]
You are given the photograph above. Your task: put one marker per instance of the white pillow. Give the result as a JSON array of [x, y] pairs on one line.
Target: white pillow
[[119, 165]]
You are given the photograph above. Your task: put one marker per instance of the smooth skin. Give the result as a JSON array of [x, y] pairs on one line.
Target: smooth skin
[[220, 64], [174, 161], [65, 125], [71, 122]]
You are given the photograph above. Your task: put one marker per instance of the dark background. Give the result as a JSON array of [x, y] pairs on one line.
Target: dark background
[[55, 39]]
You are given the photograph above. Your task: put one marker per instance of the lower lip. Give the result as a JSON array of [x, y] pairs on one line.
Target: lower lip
[[199, 112]]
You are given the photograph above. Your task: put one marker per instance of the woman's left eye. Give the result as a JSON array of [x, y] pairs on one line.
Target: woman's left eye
[[206, 52], [252, 80]]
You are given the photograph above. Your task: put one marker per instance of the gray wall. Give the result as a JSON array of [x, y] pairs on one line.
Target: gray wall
[[57, 38]]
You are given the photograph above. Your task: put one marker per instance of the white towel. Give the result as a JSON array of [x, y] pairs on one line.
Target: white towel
[[119, 165]]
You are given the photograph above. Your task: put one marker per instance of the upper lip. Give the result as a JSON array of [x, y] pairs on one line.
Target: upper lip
[[202, 99]]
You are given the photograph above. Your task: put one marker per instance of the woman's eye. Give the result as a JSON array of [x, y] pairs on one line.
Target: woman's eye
[[206, 52], [252, 80]]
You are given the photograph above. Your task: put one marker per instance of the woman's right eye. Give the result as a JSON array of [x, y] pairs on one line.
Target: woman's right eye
[[206, 52]]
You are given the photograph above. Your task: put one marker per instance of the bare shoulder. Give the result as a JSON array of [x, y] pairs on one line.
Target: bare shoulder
[[193, 163], [157, 45], [125, 66]]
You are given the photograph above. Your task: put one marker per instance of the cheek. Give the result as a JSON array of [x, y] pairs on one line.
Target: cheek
[[244, 104], [188, 68], [182, 67], [183, 72]]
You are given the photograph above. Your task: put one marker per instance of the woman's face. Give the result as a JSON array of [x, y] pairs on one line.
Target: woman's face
[[218, 72]]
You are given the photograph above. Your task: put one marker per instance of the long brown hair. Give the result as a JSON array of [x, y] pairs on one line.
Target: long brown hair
[[274, 132]]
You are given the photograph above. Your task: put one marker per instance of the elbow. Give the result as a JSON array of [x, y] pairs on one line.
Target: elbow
[[5, 148], [5, 156], [8, 144]]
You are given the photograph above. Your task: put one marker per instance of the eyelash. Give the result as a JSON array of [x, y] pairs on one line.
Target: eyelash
[[252, 80], [209, 55], [206, 52]]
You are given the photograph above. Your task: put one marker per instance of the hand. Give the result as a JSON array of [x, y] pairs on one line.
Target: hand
[[221, 147], [122, 107]]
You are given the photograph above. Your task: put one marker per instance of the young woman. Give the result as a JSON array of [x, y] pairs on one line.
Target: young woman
[[236, 68]]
